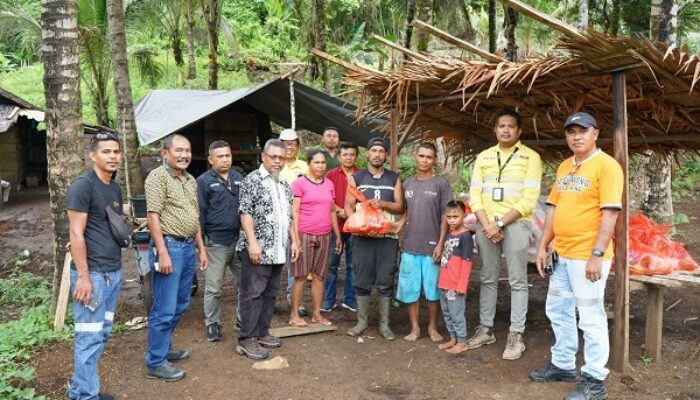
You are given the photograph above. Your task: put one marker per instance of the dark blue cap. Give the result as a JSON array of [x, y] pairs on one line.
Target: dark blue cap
[[582, 119], [377, 141]]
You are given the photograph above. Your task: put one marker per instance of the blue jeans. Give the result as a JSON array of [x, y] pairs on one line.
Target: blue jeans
[[329, 298], [171, 297], [569, 289], [92, 329]]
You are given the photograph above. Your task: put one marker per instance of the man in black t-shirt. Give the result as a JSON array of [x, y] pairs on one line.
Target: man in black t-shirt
[[95, 275]]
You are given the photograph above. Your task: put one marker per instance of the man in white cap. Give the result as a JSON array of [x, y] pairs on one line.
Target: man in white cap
[[585, 202]]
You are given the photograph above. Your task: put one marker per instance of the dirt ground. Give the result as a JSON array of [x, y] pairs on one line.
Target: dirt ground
[[335, 366]]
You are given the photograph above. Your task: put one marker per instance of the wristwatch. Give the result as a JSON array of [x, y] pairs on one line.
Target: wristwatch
[[597, 252], [500, 223]]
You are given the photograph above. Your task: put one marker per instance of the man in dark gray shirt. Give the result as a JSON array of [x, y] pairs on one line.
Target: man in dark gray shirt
[[426, 198], [96, 274], [217, 194]]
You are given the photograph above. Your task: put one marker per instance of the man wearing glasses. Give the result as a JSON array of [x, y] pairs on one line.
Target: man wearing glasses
[[266, 222], [173, 220], [96, 274]]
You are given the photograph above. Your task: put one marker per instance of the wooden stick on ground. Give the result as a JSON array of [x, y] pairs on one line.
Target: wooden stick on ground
[[63, 294]]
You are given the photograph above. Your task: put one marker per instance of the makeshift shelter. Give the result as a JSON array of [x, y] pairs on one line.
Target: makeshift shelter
[[242, 117], [22, 146], [456, 98]]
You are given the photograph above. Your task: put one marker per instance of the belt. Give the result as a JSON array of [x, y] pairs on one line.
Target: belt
[[180, 238]]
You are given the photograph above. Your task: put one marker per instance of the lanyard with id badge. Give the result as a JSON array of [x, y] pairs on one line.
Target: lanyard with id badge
[[497, 194]]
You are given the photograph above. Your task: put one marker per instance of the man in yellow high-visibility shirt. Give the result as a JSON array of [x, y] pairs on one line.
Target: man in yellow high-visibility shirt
[[504, 190]]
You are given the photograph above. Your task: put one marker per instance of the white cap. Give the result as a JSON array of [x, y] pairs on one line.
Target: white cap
[[288, 134]]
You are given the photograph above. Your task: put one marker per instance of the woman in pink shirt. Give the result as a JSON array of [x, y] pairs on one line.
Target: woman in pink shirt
[[315, 220]]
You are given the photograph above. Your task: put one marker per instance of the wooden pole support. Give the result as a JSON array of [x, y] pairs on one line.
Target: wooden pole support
[[63, 294], [462, 44], [655, 322], [394, 140], [620, 341], [352, 67]]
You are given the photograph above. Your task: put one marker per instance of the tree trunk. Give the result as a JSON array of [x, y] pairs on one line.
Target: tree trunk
[[469, 32], [101, 100], [122, 89], [425, 14], [318, 67], [510, 22], [654, 173], [191, 59], [410, 14], [176, 44], [212, 14], [64, 124], [582, 15], [663, 21], [615, 17], [492, 26]]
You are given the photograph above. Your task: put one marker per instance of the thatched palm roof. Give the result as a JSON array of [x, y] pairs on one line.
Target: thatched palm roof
[[457, 99]]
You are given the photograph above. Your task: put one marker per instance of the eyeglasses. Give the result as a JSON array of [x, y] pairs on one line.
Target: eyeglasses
[[104, 136], [274, 158]]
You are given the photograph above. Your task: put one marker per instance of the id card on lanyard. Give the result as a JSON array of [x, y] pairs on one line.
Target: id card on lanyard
[[497, 194]]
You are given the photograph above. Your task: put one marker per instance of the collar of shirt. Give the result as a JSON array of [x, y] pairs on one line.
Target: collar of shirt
[[172, 173], [509, 151]]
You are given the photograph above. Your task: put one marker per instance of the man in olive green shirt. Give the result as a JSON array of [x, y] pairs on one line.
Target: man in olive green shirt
[[173, 220]]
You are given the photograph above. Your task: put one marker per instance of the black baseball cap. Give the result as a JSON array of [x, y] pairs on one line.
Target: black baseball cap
[[583, 119], [377, 141]]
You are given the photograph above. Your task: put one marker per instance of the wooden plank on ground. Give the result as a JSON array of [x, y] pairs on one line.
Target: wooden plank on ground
[[63, 294], [655, 321], [288, 331]]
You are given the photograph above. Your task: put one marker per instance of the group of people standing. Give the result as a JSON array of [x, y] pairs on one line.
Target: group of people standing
[[291, 213]]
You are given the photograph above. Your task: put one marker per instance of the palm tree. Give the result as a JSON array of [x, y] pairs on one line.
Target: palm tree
[[211, 10], [20, 30], [64, 124], [122, 87], [654, 176], [510, 22], [492, 26], [318, 67], [94, 55], [189, 8]]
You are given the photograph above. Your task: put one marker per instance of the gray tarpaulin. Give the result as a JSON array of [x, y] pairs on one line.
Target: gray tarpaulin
[[162, 112]]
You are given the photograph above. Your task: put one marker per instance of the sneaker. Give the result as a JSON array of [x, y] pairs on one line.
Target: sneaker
[[348, 307], [326, 308], [303, 312], [552, 373], [166, 372], [177, 355], [588, 388], [271, 342], [214, 332], [251, 349], [514, 346], [482, 336]]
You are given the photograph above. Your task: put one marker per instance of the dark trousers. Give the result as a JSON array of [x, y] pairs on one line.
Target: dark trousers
[[260, 284], [374, 262]]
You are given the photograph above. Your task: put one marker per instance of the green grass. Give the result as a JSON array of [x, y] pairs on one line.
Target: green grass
[[29, 296]]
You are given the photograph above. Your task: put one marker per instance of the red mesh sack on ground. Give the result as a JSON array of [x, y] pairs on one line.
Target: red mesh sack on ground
[[367, 220], [652, 252]]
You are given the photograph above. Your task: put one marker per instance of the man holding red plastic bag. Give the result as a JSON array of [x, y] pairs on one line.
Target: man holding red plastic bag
[[371, 214]]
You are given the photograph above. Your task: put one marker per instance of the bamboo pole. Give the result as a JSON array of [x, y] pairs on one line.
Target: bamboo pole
[[620, 341], [63, 294], [400, 48], [535, 14], [352, 67], [462, 44]]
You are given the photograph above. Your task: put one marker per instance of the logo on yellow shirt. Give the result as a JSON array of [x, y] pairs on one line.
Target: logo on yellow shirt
[[573, 184]]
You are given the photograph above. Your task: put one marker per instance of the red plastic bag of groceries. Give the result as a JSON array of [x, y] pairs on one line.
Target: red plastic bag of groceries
[[652, 252], [367, 220]]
